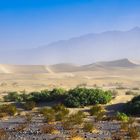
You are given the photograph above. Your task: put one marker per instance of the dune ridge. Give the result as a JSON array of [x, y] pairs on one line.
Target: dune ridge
[[66, 67]]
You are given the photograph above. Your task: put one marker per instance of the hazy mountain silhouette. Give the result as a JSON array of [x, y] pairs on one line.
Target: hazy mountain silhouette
[[85, 49]]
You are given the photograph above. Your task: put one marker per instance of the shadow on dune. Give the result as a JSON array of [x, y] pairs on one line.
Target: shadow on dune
[[112, 109]]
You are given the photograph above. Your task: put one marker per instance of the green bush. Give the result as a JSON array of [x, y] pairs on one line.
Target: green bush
[[82, 96], [29, 105], [77, 97], [42, 96], [133, 107], [12, 96], [122, 117]]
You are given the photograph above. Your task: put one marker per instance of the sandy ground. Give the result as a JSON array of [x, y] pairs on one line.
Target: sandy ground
[[37, 81], [39, 78], [105, 78]]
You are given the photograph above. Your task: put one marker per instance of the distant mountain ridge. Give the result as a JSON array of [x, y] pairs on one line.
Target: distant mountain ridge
[[109, 45]]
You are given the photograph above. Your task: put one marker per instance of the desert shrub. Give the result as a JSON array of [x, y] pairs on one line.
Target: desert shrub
[[28, 118], [48, 129], [29, 105], [133, 107], [26, 97], [124, 126], [9, 109], [134, 133], [100, 116], [2, 115], [73, 98], [3, 134], [60, 112], [73, 119], [57, 94], [135, 88], [49, 114], [16, 97], [77, 118], [12, 96], [122, 117], [47, 96], [129, 92], [82, 96], [60, 107], [88, 127], [56, 113], [96, 110], [67, 125], [121, 88], [40, 96]]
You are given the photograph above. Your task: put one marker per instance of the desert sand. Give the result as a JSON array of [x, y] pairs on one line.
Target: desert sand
[[107, 75]]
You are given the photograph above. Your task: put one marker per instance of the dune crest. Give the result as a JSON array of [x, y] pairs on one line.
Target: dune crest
[[66, 67]]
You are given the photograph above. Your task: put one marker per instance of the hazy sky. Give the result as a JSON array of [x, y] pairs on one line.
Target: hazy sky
[[33, 23]]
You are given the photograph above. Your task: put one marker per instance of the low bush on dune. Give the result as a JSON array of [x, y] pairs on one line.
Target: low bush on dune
[[42, 96], [82, 96], [12, 96], [73, 98], [46, 95], [133, 107]]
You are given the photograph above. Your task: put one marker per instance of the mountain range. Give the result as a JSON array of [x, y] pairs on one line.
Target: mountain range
[[105, 46]]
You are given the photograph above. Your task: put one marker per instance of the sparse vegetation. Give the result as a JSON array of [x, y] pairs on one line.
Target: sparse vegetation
[[73, 120], [12, 97], [73, 98], [82, 96], [88, 127], [95, 110], [130, 92], [3, 134], [48, 129], [8, 109], [122, 117], [133, 107], [61, 112], [29, 105], [49, 114]]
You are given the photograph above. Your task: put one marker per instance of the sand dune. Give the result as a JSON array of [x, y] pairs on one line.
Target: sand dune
[[23, 69], [37, 77], [66, 67]]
